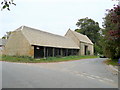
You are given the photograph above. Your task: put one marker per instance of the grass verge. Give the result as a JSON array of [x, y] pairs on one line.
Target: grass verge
[[111, 62], [24, 59]]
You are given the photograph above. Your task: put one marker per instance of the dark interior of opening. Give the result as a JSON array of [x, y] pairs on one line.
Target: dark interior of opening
[[86, 49], [41, 52], [64, 52], [38, 52], [48, 52], [57, 52]]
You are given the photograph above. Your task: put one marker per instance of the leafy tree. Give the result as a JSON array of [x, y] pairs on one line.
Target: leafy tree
[[6, 4], [90, 28], [112, 33], [6, 36]]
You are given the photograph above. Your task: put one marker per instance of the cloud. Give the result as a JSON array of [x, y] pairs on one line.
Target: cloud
[[51, 1], [53, 15]]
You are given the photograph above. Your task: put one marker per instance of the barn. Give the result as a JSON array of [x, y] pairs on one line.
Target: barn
[[84, 43], [2, 44], [26, 41]]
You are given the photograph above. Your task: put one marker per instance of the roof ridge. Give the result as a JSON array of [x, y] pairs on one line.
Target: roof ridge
[[41, 31], [85, 36], [74, 34], [79, 33]]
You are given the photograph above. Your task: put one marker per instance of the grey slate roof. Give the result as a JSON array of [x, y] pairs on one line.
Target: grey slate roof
[[42, 38], [3, 42]]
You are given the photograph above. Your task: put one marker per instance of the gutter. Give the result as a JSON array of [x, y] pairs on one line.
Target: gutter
[[115, 68]]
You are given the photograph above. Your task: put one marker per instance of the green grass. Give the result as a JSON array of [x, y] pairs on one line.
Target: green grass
[[24, 59], [111, 62]]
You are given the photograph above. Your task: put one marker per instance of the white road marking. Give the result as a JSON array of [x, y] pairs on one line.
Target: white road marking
[[85, 73], [81, 75], [101, 80], [90, 77], [93, 76], [108, 79]]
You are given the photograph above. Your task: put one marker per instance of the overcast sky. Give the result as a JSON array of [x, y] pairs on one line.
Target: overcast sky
[[55, 16]]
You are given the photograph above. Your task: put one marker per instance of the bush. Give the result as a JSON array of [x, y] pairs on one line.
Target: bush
[[88, 52]]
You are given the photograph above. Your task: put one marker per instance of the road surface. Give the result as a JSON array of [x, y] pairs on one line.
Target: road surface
[[0, 75], [86, 73]]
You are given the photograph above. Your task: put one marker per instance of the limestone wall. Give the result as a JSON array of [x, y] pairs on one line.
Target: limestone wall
[[18, 45], [82, 48], [73, 37]]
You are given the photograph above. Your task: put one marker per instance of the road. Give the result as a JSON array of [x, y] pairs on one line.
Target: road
[[0, 71], [0, 75], [86, 73]]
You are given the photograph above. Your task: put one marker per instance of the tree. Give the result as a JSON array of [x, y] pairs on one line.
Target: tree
[[6, 4], [6, 36], [90, 28], [112, 33]]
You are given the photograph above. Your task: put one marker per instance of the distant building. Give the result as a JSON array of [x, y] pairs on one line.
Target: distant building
[[2, 43], [26, 41]]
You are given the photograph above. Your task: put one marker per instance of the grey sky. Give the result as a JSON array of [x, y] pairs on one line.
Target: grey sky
[[55, 16]]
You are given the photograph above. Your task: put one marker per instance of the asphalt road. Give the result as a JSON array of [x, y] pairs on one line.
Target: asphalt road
[[0, 75], [0, 71], [87, 73]]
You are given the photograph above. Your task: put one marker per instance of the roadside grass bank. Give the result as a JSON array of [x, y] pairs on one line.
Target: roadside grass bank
[[24, 59], [111, 62]]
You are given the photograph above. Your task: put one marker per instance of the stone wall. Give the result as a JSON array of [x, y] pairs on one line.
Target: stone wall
[[73, 37], [82, 48], [18, 45]]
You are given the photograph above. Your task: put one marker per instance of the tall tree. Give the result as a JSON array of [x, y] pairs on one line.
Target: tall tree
[[7, 35], [112, 33], [6, 4], [90, 28]]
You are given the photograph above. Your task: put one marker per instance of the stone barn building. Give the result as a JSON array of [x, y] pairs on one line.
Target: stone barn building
[[84, 43], [26, 41], [2, 44]]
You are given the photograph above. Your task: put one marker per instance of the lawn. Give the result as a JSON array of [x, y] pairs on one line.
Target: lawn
[[24, 59]]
